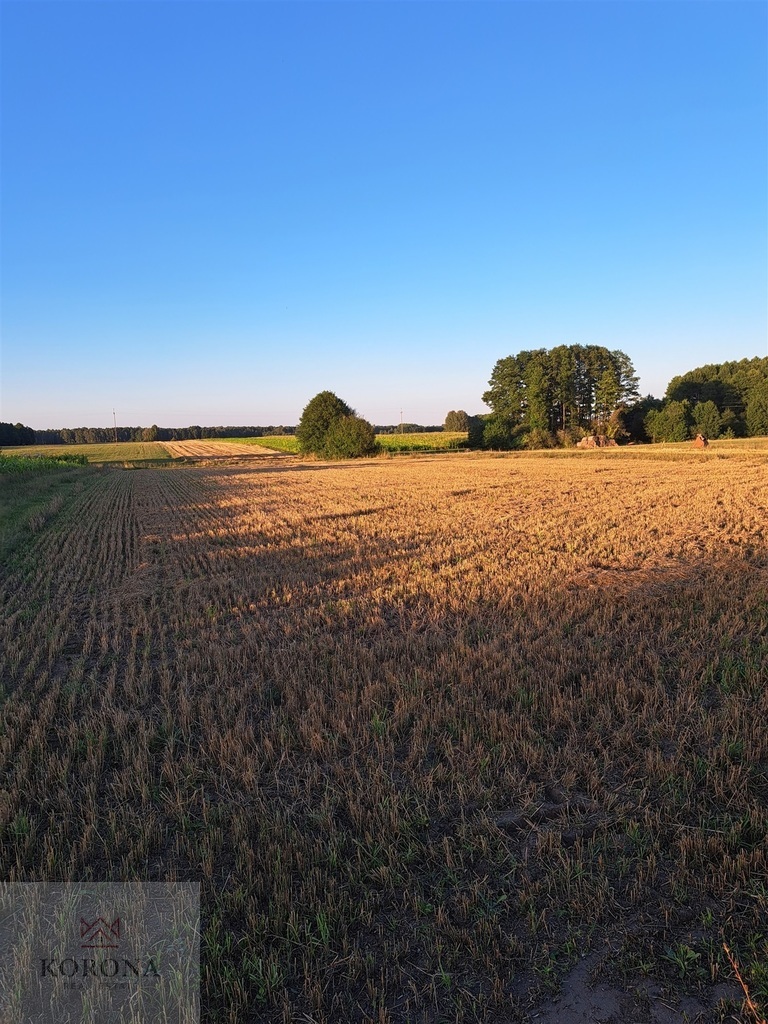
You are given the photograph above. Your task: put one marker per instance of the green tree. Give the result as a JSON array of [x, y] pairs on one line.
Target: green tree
[[629, 390], [537, 392], [16, 433], [707, 419], [506, 394], [316, 419], [634, 417], [475, 429], [757, 411], [607, 393], [731, 424], [672, 423], [456, 420], [729, 385], [349, 437], [500, 433], [562, 361]]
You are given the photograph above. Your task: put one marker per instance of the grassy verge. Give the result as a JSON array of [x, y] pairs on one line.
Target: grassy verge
[[33, 490]]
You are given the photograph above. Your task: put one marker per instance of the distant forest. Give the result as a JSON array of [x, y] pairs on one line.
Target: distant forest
[[17, 434], [539, 399], [14, 434]]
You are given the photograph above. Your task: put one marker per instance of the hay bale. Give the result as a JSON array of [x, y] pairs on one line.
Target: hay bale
[[596, 441]]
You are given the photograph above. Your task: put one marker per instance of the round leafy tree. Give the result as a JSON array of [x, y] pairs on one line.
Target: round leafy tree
[[323, 410], [456, 420], [349, 438]]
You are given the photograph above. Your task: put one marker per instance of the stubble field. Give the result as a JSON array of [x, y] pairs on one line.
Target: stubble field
[[429, 731]]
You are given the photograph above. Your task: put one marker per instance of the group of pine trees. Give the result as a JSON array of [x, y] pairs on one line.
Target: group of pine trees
[[546, 397], [543, 397]]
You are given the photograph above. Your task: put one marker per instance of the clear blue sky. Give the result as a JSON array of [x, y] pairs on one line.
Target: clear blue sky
[[212, 211]]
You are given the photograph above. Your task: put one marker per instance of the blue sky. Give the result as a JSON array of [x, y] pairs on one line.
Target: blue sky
[[212, 211]]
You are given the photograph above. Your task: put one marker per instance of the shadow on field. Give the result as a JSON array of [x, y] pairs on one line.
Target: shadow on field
[[529, 776], [418, 781], [315, 467]]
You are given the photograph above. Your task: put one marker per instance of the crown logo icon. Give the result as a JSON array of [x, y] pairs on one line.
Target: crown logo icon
[[99, 934]]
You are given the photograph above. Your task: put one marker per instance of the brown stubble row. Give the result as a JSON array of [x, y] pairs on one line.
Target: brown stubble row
[[425, 729]]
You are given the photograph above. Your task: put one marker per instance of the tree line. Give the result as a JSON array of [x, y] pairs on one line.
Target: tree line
[[548, 397], [538, 398], [717, 400], [18, 434]]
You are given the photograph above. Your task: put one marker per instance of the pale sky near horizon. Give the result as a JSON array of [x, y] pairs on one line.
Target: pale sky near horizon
[[212, 211]]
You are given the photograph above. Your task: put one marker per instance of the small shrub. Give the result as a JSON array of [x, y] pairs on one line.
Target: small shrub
[[568, 438], [349, 438], [499, 434], [536, 439], [316, 420]]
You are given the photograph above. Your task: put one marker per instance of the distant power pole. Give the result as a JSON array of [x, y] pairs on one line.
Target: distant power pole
[[114, 420], [401, 421]]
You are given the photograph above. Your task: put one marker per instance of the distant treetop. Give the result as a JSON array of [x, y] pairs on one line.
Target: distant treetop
[[456, 420]]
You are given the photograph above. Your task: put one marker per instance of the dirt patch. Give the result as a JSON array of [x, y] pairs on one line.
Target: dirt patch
[[582, 1000], [217, 450]]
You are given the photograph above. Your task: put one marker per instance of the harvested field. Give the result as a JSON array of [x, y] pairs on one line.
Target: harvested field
[[436, 734], [219, 449], [286, 443]]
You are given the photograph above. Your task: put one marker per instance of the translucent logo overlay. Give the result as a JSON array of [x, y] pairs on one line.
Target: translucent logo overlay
[[100, 952]]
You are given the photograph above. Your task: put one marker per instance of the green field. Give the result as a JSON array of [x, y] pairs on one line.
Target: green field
[[124, 451], [33, 490], [431, 441], [15, 464]]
